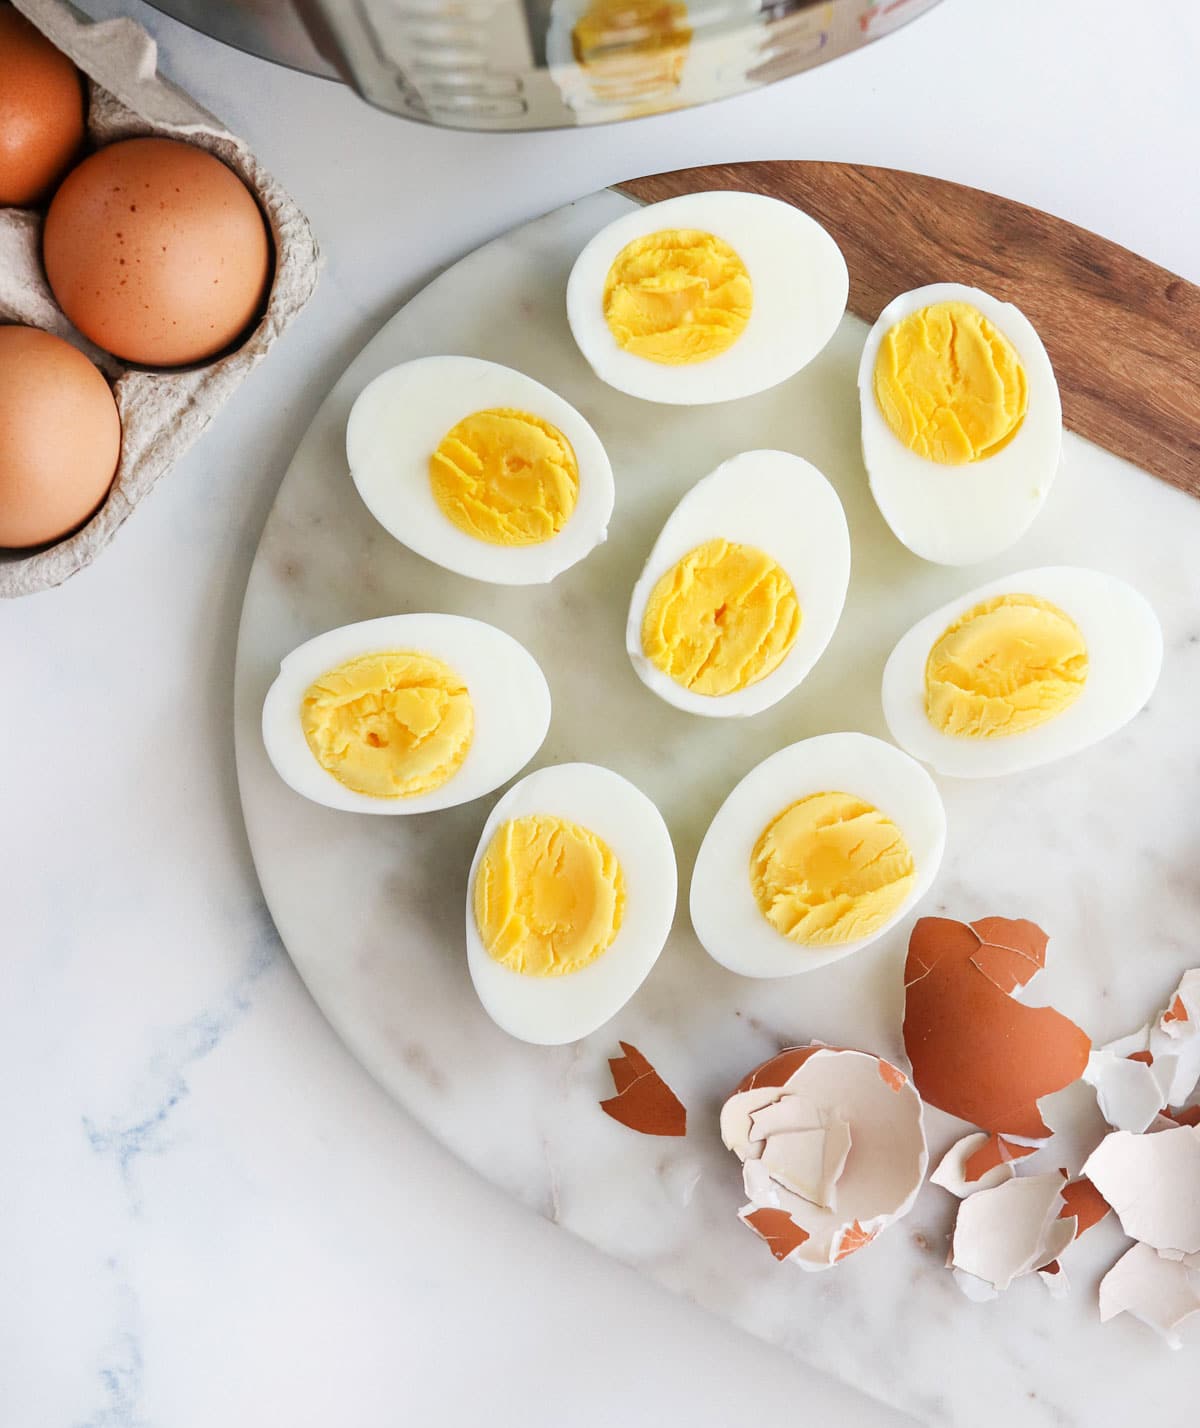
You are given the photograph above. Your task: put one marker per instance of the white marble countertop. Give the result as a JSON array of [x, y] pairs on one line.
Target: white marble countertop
[[208, 1213]]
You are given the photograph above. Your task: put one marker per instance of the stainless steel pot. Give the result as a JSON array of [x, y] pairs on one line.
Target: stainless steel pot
[[545, 64]]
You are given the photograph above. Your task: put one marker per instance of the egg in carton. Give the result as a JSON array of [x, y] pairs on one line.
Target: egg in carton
[[162, 411]]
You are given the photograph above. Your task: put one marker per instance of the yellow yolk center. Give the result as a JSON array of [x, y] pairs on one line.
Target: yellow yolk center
[[677, 296], [632, 49], [505, 477], [830, 869], [1007, 665], [549, 896], [950, 386], [722, 618], [390, 725]]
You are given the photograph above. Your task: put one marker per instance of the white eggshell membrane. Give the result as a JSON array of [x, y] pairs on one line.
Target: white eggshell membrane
[[960, 515], [800, 285], [1125, 648], [397, 423], [726, 917], [782, 505], [550, 1011], [508, 692]]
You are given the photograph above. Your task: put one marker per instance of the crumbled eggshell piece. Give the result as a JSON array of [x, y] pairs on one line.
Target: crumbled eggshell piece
[[950, 385], [1007, 665], [832, 1146], [1009, 1229], [549, 896], [977, 1162], [721, 619], [1160, 1292], [392, 724], [506, 477], [677, 296], [830, 868], [1152, 1181], [976, 1051], [644, 1102]]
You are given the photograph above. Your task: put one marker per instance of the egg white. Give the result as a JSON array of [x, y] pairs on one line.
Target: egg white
[[960, 515], [800, 284], [725, 915], [549, 1011], [395, 426], [1125, 648], [781, 504], [508, 690]]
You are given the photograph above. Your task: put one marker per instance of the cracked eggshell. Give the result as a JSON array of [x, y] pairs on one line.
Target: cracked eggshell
[[961, 515], [797, 272], [644, 1102], [1125, 648], [812, 1203], [1153, 1184], [780, 504], [550, 1011], [395, 426], [1008, 1230], [978, 1162], [725, 915], [509, 696], [1160, 1292], [976, 1051]]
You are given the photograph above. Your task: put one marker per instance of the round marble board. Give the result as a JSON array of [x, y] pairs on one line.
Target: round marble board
[[1100, 849]]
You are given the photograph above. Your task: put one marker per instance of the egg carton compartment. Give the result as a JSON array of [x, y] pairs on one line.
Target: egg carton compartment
[[162, 412]]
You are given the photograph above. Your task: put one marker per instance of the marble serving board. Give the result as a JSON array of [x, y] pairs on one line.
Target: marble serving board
[[1101, 849]]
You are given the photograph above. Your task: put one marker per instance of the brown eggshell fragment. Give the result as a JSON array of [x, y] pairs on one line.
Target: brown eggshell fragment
[[781, 1233], [993, 1152], [41, 112], [1083, 1203], [975, 1050], [644, 1102], [157, 252], [60, 437]]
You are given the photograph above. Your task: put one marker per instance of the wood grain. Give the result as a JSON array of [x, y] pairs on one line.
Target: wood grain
[[1123, 333]]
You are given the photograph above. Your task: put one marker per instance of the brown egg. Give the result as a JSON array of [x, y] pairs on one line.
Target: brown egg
[[157, 252], [41, 112], [60, 437]]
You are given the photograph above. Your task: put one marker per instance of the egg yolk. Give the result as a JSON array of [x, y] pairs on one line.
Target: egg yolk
[[632, 50], [1007, 665], [722, 618], [677, 296], [829, 869], [505, 477], [950, 386], [549, 896], [390, 725]]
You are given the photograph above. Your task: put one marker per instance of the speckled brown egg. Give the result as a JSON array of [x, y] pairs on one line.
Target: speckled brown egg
[[60, 437], [157, 252], [41, 112]]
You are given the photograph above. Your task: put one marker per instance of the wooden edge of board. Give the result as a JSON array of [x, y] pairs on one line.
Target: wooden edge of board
[[1123, 334]]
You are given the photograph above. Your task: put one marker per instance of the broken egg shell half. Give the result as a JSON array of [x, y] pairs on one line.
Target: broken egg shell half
[[1125, 648], [842, 1126], [975, 1050], [725, 915], [550, 1011], [777, 503], [509, 696]]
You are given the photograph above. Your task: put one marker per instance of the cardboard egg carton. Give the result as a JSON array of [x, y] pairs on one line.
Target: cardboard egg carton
[[162, 412]]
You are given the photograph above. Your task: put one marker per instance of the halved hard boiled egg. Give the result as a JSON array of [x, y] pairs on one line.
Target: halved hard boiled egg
[[480, 469], [817, 852], [405, 714], [706, 297], [961, 422], [1022, 671], [744, 587], [570, 900]]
